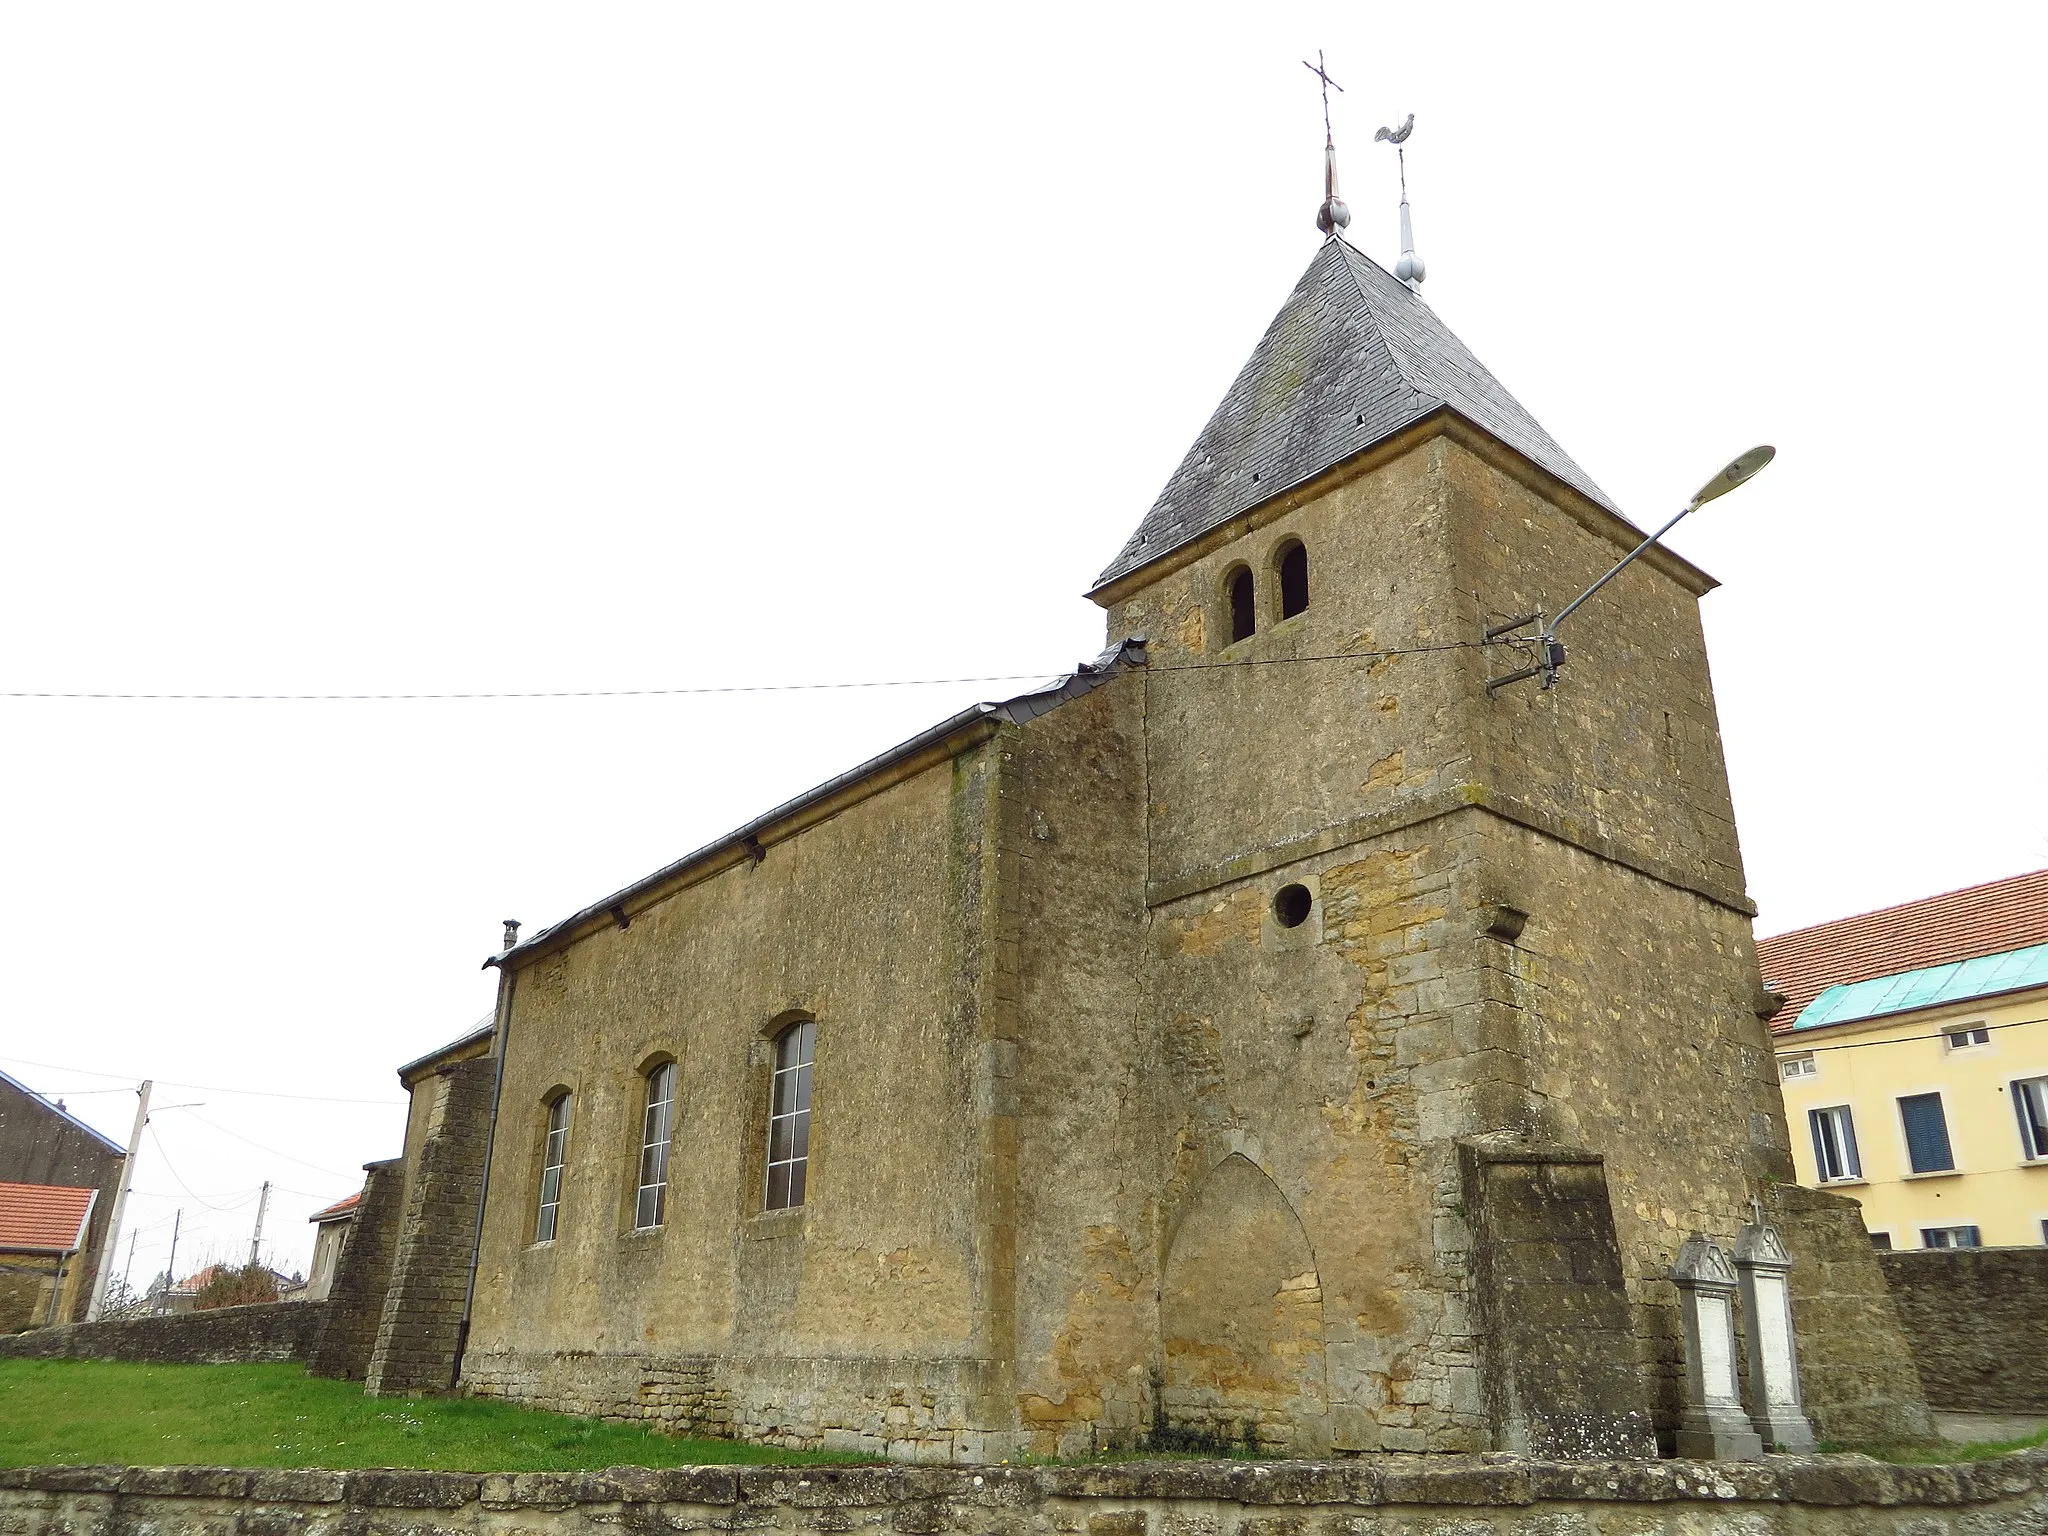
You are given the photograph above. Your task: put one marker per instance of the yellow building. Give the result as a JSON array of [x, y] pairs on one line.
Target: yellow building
[[1913, 1051]]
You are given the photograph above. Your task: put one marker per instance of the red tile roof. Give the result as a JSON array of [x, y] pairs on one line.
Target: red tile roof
[[43, 1218], [198, 1280], [1937, 930], [339, 1208]]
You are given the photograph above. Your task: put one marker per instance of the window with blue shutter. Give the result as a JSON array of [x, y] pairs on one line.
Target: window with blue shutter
[[1834, 1143], [2030, 1103], [1926, 1133]]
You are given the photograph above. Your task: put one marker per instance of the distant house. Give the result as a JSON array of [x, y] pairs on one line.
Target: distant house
[[1913, 1049], [184, 1296], [43, 1228], [331, 1235], [43, 1146]]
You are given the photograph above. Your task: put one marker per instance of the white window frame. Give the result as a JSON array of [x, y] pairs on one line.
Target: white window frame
[[657, 1127], [1839, 1117], [789, 1117], [1958, 1037], [1953, 1226], [1886, 1245], [554, 1157], [1801, 1065], [2032, 1148]]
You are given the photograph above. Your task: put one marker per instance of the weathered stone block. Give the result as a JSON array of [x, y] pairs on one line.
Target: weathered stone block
[[411, 1490], [297, 1485]]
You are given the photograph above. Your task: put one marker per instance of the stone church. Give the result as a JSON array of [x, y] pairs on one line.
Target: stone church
[[1267, 1036]]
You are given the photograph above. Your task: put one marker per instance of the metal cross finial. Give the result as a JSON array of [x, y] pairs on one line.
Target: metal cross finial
[[1323, 75], [1333, 215]]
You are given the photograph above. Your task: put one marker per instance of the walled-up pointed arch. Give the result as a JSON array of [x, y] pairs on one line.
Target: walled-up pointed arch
[[1241, 1318]]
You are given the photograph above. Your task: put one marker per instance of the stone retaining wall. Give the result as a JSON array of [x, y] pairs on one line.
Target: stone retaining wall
[[278, 1330], [1483, 1496], [1977, 1319], [1855, 1363]]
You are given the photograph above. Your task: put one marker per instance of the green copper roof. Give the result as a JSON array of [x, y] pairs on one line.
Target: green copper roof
[[2012, 971]]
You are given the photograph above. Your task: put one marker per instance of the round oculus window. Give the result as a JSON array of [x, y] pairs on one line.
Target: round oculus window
[[1291, 905]]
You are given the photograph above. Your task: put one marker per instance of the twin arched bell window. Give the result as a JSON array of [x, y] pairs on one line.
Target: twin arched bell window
[[1289, 573]]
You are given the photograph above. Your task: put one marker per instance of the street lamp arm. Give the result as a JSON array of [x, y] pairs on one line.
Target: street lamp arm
[[1549, 650], [1615, 570]]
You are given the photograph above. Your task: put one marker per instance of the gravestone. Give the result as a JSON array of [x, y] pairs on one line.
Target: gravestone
[[1776, 1405], [1713, 1426]]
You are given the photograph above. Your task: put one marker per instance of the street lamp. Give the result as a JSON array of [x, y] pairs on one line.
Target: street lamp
[[1549, 649]]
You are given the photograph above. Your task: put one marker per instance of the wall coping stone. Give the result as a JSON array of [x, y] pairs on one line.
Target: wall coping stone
[[1491, 1480]]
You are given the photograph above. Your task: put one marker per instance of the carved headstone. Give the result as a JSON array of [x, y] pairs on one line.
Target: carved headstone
[[1713, 1426], [1776, 1407]]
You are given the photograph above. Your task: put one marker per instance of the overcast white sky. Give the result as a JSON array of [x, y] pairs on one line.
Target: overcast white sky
[[431, 347]]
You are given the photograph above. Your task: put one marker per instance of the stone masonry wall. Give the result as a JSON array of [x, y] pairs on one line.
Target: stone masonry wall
[[1855, 1366], [25, 1284], [1561, 1371], [355, 1301], [868, 921], [906, 1410], [41, 1144], [1496, 1496], [1978, 1322], [420, 1332], [278, 1330], [1526, 918]]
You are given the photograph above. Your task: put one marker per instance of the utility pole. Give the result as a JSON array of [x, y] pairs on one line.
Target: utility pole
[[262, 1205], [171, 1264], [99, 1281]]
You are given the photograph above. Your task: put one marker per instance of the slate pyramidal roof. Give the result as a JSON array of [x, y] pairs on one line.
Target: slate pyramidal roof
[[1352, 358]]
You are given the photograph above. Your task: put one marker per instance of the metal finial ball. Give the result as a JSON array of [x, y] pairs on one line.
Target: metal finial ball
[[1333, 216], [1410, 268]]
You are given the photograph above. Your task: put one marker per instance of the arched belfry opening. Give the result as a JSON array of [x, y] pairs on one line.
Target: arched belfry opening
[[1241, 1320], [1291, 566], [1238, 593]]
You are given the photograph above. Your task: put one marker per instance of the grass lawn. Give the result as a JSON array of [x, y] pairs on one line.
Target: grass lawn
[[56, 1412], [1952, 1451]]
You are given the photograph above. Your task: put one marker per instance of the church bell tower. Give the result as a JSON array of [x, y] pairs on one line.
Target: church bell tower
[[1453, 988]]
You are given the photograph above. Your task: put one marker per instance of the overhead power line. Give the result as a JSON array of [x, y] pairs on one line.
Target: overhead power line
[[273, 1151], [180, 1178], [651, 693], [1792, 1034], [254, 1093]]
